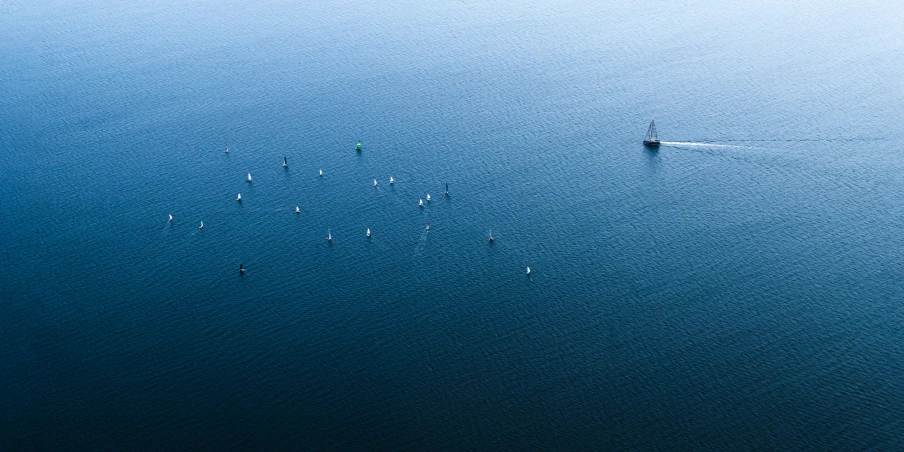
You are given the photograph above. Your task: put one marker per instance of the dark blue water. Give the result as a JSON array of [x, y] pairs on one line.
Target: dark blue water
[[739, 288]]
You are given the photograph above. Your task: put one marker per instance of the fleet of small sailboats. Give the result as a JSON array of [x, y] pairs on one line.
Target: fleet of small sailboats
[[649, 140]]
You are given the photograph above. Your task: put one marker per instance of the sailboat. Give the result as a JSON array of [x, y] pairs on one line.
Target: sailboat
[[368, 232], [227, 149], [391, 181], [202, 225], [447, 189], [241, 269], [528, 271], [358, 147], [321, 173], [329, 236], [239, 198], [491, 236], [249, 177], [171, 217], [420, 202], [375, 182], [650, 139], [297, 210], [428, 226], [285, 163], [428, 197]]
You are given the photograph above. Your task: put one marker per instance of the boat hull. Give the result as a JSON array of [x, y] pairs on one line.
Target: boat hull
[[651, 144]]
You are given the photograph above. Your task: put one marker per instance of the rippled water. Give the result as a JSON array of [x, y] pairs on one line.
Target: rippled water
[[739, 288]]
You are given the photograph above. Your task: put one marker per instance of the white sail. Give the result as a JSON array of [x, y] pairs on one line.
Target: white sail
[[391, 181], [249, 177], [239, 198], [528, 270], [368, 232], [297, 210], [420, 202], [202, 225], [428, 197], [170, 217], [375, 182], [321, 172]]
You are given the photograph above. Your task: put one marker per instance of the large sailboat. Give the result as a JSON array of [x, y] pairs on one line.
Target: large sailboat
[[651, 140]]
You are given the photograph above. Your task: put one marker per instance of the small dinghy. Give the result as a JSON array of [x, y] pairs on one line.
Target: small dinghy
[[297, 210], [285, 163], [420, 203], [391, 181], [239, 198], [368, 232], [249, 177]]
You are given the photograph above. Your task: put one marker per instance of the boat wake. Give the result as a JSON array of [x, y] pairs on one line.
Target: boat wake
[[421, 243], [699, 144]]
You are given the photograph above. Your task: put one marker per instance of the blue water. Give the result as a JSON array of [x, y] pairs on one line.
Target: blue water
[[739, 288]]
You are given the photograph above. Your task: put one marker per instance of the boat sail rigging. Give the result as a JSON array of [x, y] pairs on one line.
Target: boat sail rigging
[[650, 139]]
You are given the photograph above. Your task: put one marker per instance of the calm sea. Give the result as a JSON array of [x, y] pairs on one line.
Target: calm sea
[[739, 288]]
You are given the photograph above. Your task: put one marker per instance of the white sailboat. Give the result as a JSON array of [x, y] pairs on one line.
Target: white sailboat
[[428, 226], [171, 217], [285, 163], [227, 149], [428, 197], [202, 225], [368, 232], [321, 173], [391, 181], [528, 270], [491, 236], [239, 198], [329, 236], [420, 203], [297, 210], [249, 177], [375, 182]]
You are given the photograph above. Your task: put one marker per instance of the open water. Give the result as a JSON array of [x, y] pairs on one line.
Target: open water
[[739, 288]]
